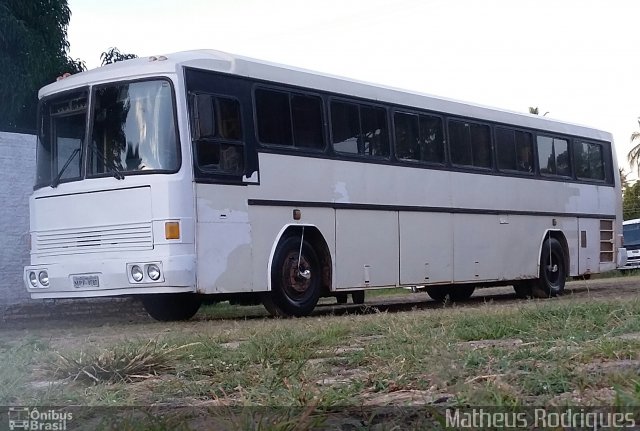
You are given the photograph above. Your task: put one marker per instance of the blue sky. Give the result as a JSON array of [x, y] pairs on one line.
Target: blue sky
[[578, 60]]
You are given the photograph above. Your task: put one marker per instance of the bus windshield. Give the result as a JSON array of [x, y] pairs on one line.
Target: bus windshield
[[60, 138], [133, 131]]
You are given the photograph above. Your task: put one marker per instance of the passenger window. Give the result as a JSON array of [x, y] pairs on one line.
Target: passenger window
[[375, 137], [345, 127], [307, 121], [589, 161], [515, 150], [553, 156], [274, 117], [419, 137], [359, 129], [470, 144], [289, 119], [229, 123], [407, 133], [218, 149], [431, 139]]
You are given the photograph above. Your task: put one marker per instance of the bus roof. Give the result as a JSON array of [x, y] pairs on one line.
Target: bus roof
[[632, 221], [262, 70]]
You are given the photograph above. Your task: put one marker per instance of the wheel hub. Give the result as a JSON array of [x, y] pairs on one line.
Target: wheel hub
[[298, 276]]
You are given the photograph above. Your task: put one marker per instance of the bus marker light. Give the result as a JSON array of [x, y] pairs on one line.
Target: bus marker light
[[297, 214], [172, 230]]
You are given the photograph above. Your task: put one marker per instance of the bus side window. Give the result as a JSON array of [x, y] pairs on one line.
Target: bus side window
[[273, 113], [419, 137], [553, 156], [515, 150], [287, 119], [589, 160], [203, 118], [375, 136], [470, 144], [217, 134], [359, 129], [407, 133]]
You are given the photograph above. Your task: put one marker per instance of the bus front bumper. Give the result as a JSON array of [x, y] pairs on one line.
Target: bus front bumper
[[113, 277]]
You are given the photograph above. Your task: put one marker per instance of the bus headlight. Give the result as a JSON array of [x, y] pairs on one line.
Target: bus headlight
[[44, 278], [153, 272], [136, 273], [33, 279]]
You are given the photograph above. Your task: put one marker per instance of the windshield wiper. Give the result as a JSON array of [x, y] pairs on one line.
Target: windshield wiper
[[117, 174], [56, 180]]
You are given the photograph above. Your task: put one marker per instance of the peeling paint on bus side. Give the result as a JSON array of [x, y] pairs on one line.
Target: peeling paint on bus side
[[223, 243]]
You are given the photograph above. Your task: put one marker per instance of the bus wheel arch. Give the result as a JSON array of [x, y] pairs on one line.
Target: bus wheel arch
[[553, 269], [295, 287]]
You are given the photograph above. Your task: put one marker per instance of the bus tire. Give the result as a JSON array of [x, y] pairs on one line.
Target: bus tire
[[358, 297], [455, 293], [461, 293], [438, 293], [168, 307], [553, 271], [291, 294], [522, 289], [341, 298]]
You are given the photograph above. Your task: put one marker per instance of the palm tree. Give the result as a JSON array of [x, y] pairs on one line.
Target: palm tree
[[536, 111], [624, 181], [634, 155]]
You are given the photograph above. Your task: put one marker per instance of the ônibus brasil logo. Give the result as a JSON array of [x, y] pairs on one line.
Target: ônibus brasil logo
[[33, 419]]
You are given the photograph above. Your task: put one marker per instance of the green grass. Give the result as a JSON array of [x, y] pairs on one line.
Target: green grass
[[532, 353]]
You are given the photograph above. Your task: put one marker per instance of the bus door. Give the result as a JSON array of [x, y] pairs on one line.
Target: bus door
[[224, 162]]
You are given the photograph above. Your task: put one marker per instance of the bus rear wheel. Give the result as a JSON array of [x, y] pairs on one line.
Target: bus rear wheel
[[522, 289], [358, 297], [341, 298], [553, 271], [456, 293], [168, 307], [295, 283]]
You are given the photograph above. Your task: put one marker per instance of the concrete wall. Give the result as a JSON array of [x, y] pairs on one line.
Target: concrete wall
[[17, 173]]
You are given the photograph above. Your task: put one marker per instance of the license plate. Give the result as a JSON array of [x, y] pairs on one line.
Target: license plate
[[84, 281]]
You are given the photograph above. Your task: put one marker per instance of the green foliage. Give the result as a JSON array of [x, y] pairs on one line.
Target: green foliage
[[631, 202], [33, 52], [113, 54], [634, 154]]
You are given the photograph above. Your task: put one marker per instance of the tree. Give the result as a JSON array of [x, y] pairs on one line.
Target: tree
[[536, 111], [33, 52], [624, 179], [113, 54], [631, 202], [634, 155]]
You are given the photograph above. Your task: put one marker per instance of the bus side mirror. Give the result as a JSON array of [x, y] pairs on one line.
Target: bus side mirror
[[204, 116]]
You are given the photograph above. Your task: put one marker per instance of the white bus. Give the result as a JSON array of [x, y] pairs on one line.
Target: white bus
[[207, 176], [631, 233]]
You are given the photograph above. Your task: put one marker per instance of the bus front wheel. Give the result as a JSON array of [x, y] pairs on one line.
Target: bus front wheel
[[553, 271], [295, 279], [167, 307]]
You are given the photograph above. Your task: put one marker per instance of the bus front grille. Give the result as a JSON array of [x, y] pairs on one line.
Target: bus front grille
[[124, 237]]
